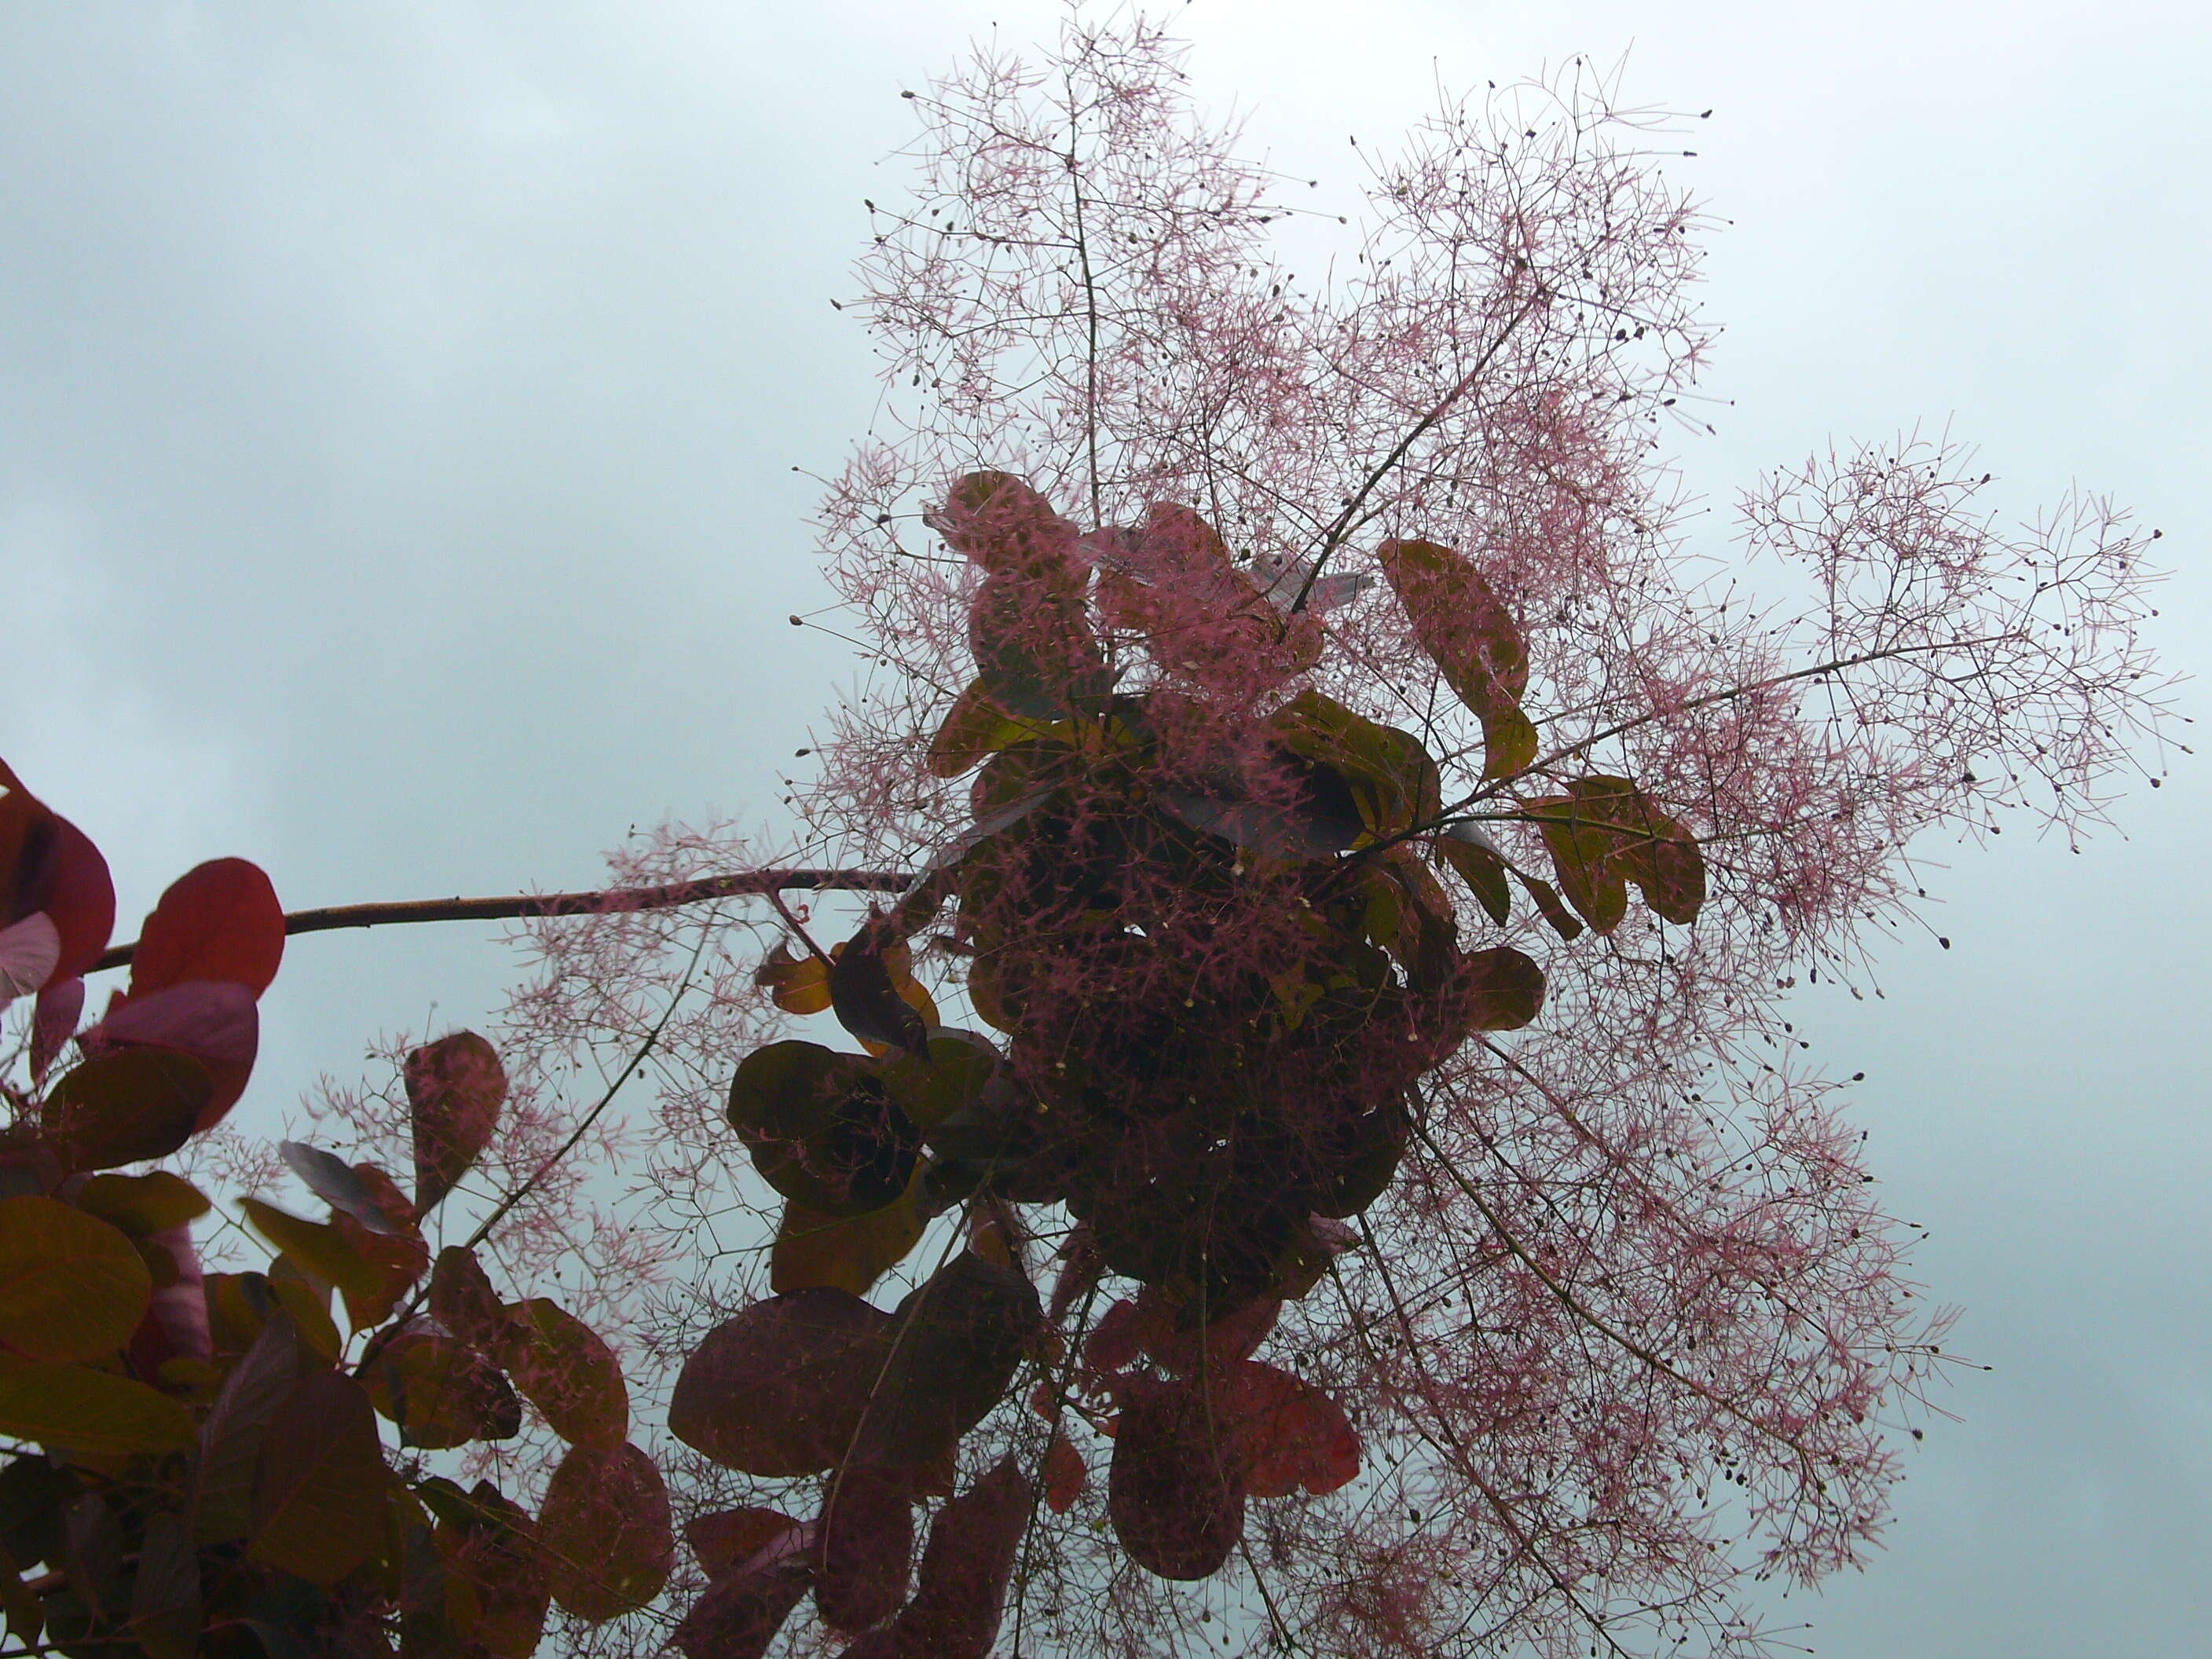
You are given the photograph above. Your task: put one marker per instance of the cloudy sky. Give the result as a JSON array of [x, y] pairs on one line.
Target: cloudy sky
[[398, 407]]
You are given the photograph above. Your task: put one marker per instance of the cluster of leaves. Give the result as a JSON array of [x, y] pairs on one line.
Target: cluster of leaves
[[209, 1474], [1204, 917]]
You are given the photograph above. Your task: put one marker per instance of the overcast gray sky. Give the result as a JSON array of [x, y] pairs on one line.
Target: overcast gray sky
[[398, 404]]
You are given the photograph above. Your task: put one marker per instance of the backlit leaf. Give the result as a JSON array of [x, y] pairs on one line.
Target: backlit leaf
[[454, 1088], [960, 1336], [741, 1612], [71, 1286], [142, 1205], [724, 1539], [1175, 1497], [319, 1487], [866, 1536], [1283, 1432], [462, 1300], [220, 921], [605, 1529], [960, 1598], [822, 1127], [213, 1021], [780, 1388], [869, 982], [440, 1393], [1483, 870], [1064, 1474], [1562, 919], [797, 985], [570, 1374], [1504, 989], [843, 1253], [127, 1106]]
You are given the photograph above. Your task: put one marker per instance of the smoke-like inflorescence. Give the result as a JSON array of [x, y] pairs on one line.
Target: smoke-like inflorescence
[[1357, 848]]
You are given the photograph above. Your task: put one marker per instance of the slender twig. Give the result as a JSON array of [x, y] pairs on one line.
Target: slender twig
[[611, 901]]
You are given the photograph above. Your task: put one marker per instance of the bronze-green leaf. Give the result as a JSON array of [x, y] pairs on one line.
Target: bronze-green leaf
[[1483, 870], [97, 1413], [71, 1286], [440, 1393], [844, 1253], [142, 1205], [133, 1104], [1504, 989], [823, 1128]]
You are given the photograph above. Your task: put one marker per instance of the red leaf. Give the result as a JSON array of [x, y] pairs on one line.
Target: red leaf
[[1065, 1475], [605, 1527], [1284, 1432], [127, 1106], [740, 1615], [1175, 1497], [30, 951], [1113, 1344], [1186, 1348], [961, 1599], [462, 1299], [726, 1539], [454, 1088], [867, 1542], [220, 922], [780, 1389], [81, 899], [53, 1023], [568, 1373]]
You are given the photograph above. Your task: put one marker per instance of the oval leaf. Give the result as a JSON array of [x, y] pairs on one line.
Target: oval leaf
[[441, 1394], [606, 1532], [866, 1536], [780, 1389], [568, 1374], [71, 1286], [127, 1106], [1175, 1498], [319, 1488], [1504, 989], [219, 921], [842, 1253], [96, 1414], [454, 1088]]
